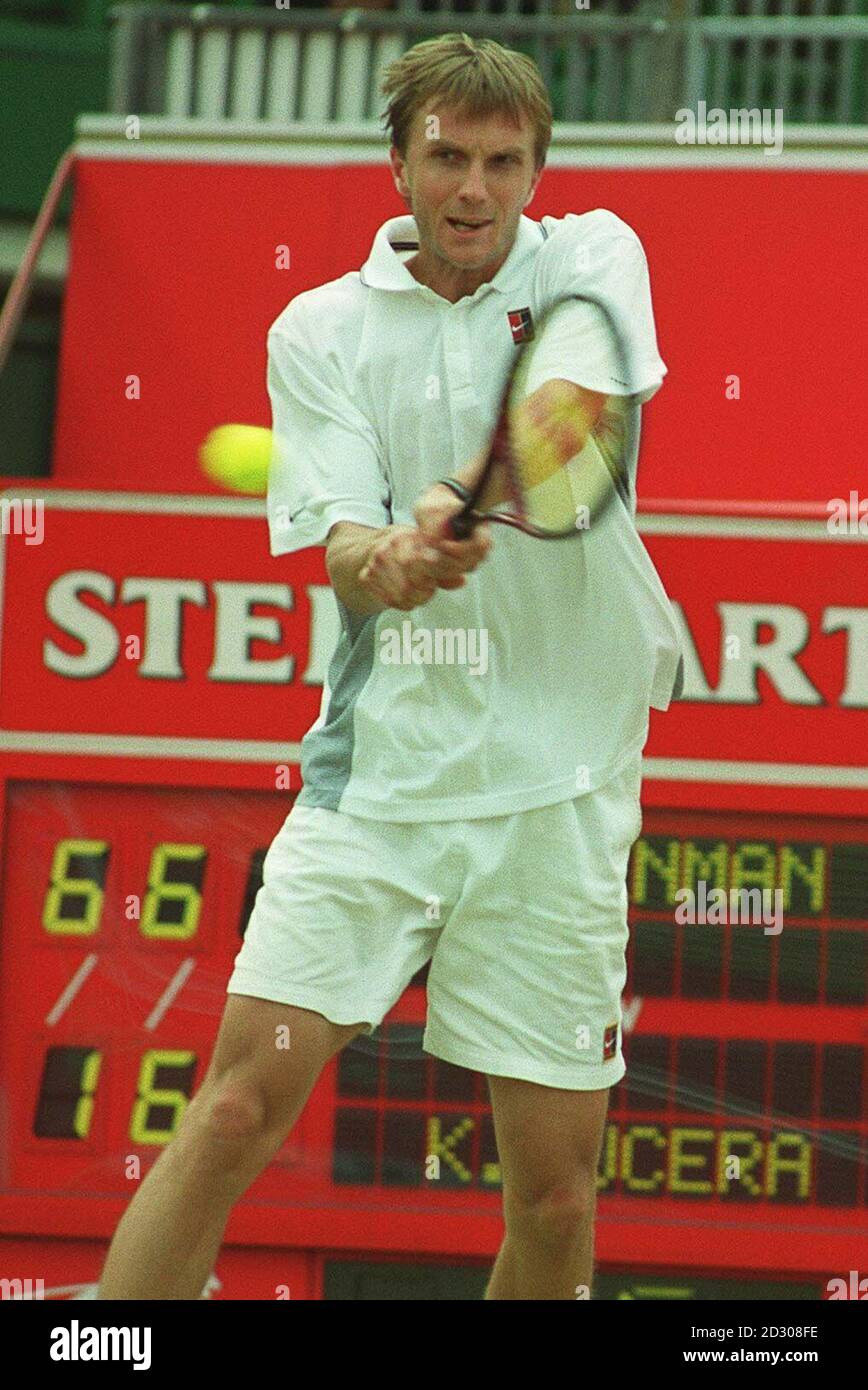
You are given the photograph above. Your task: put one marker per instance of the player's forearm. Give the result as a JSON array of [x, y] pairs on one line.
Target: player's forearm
[[470, 473], [348, 550], [495, 489]]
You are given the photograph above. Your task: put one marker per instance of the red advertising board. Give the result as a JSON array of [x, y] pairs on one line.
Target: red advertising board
[[174, 281], [150, 627]]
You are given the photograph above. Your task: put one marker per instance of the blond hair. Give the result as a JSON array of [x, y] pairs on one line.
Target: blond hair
[[478, 75]]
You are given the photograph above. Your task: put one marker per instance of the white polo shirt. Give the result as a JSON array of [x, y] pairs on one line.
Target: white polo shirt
[[533, 683]]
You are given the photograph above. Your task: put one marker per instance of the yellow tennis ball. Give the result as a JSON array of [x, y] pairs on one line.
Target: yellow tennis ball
[[237, 457]]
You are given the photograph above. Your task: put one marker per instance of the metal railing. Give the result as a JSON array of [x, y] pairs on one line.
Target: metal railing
[[812, 67], [321, 66]]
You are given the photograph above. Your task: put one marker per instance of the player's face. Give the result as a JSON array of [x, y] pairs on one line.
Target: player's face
[[466, 180]]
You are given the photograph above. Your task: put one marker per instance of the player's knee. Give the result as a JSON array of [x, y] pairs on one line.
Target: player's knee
[[552, 1216], [236, 1112]]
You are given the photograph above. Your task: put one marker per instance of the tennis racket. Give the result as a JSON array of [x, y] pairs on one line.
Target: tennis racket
[[559, 454]]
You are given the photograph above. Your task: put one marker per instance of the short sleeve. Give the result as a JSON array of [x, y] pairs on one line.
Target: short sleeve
[[600, 255], [326, 465]]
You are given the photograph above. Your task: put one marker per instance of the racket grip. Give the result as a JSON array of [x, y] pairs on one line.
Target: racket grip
[[462, 525]]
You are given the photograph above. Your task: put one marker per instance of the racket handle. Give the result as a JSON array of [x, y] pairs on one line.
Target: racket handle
[[462, 525]]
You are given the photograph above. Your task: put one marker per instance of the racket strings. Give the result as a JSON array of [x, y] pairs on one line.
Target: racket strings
[[514, 482], [561, 451]]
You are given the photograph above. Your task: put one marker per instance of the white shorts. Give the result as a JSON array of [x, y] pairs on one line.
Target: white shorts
[[523, 918]]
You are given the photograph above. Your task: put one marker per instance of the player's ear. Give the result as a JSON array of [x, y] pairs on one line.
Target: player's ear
[[399, 166], [536, 178]]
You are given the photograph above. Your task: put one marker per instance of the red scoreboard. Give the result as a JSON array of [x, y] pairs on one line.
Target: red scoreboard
[[158, 670], [153, 696]]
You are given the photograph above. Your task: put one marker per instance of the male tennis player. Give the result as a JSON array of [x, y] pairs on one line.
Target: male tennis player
[[475, 811]]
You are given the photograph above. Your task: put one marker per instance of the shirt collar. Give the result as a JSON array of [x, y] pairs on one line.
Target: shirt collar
[[398, 239]]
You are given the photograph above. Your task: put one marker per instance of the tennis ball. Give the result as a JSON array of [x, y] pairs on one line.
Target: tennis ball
[[237, 457]]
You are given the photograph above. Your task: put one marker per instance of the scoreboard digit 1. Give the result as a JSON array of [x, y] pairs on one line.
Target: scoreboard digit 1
[[152, 700]]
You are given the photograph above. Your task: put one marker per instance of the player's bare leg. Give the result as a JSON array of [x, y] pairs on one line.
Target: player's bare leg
[[167, 1242], [540, 1261], [549, 1144]]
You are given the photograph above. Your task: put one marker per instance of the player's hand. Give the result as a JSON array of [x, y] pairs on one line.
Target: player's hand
[[434, 512], [404, 570]]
